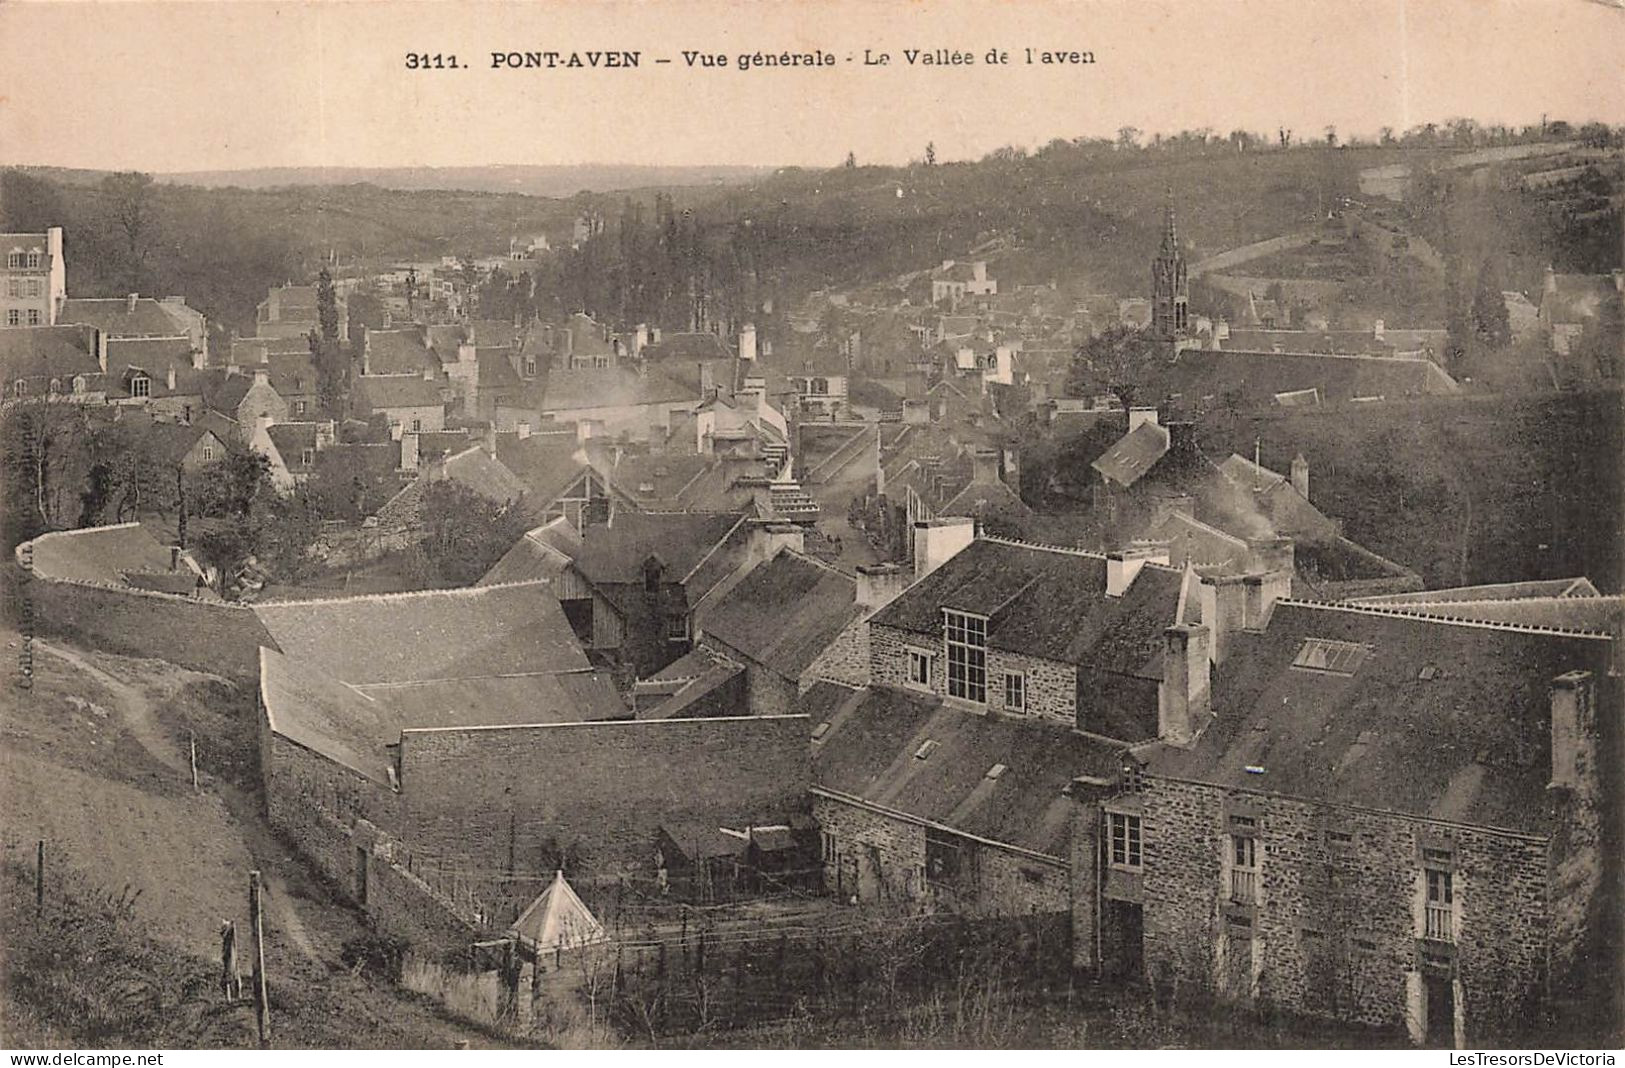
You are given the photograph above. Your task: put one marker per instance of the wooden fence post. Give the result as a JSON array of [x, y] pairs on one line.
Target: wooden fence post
[[262, 1006], [39, 880], [192, 745]]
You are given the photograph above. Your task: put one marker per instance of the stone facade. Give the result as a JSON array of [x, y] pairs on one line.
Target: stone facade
[[1336, 921], [845, 660], [1050, 687], [877, 856]]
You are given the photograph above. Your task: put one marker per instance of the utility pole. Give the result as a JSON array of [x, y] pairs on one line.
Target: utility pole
[[262, 1007], [39, 880]]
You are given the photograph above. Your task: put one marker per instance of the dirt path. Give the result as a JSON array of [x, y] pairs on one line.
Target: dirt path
[[137, 711]]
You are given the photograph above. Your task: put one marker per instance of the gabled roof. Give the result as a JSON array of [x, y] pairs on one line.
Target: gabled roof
[[539, 556], [1134, 454], [784, 613], [1444, 720], [325, 716], [546, 464], [688, 346], [870, 752], [394, 352], [436, 634], [153, 354], [484, 474], [99, 554], [984, 498], [171, 442], [1498, 591], [114, 316], [47, 352], [291, 441], [1047, 602], [380, 392], [683, 541]]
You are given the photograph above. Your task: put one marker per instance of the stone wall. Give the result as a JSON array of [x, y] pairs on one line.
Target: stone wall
[[844, 660], [1335, 927], [223, 639], [1051, 686], [879, 857], [507, 798]]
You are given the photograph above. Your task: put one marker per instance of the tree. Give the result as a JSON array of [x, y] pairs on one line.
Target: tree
[[1121, 360], [930, 153], [1128, 136], [851, 160], [466, 533], [1491, 324], [129, 195], [327, 307]]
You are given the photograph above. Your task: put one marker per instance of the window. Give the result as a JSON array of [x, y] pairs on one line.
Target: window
[[1133, 778], [820, 387], [208, 453], [33, 259], [308, 457], [33, 317], [677, 628], [829, 847], [19, 388], [1125, 840], [966, 638], [14, 287], [299, 407], [14, 260], [140, 386], [1438, 912], [1243, 868], [919, 669], [417, 426], [14, 318], [56, 385], [79, 383], [530, 367], [948, 858], [1015, 691], [32, 287], [1335, 657]]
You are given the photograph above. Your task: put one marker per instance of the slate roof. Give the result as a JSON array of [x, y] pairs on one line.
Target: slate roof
[[688, 346], [153, 354], [47, 352], [1259, 376], [99, 554], [394, 352], [436, 634], [380, 392], [539, 556], [291, 440], [1134, 454], [1499, 591], [545, 464], [991, 497], [1598, 613], [683, 541], [611, 387], [1049, 603], [487, 700], [325, 716], [484, 474], [1443, 720], [869, 752], [784, 613], [292, 373], [112, 315], [496, 371], [172, 441]]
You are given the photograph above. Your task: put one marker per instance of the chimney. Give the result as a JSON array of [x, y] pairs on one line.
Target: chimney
[[174, 558], [1184, 701], [1136, 416], [1550, 284], [936, 541], [1300, 476], [984, 466], [522, 428], [466, 353], [766, 539], [707, 388], [326, 434], [99, 338], [1619, 280], [262, 376], [1011, 468], [1224, 611], [1123, 564], [409, 451], [1271, 555], [169, 378], [491, 439], [1259, 597], [1573, 724], [129, 303], [1377, 329], [879, 584], [747, 342]]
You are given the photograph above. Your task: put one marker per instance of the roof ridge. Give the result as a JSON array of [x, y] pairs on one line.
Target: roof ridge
[[1068, 550], [1550, 598], [831, 568], [36, 539], [1426, 617], [401, 595]]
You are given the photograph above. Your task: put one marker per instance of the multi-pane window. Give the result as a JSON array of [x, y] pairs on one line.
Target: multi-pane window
[[33, 317], [140, 386], [1015, 691], [966, 639], [919, 668], [33, 259], [15, 259], [1243, 868], [1441, 903], [1125, 839], [677, 628], [14, 317]]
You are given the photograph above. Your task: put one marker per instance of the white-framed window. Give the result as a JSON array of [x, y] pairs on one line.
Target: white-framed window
[[140, 386], [14, 317], [19, 388], [56, 385], [965, 637], [530, 367], [308, 457], [33, 259], [1243, 868], [14, 287], [33, 317], [919, 668], [417, 426], [80, 383], [299, 407], [677, 628], [1015, 691], [32, 287], [830, 849], [15, 259], [208, 452], [1439, 910], [1124, 833]]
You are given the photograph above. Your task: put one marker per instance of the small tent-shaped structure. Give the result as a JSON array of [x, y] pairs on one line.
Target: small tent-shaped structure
[[556, 921]]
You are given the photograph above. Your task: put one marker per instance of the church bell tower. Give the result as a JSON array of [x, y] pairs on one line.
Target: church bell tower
[[1170, 289]]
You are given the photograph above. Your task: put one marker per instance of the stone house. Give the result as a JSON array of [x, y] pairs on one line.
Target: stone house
[[1367, 814], [33, 278]]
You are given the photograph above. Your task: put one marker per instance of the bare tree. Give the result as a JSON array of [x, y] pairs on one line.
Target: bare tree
[[130, 196]]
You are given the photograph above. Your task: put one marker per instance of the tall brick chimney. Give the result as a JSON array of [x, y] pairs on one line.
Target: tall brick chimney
[[1184, 700]]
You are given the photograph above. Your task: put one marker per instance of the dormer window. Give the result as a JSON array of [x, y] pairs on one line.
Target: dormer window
[[14, 260], [651, 576], [19, 388], [79, 383], [33, 260], [140, 386], [965, 640], [307, 457]]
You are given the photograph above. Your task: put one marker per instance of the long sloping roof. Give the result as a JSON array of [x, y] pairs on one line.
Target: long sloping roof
[[435, 634], [871, 751], [539, 556], [484, 474], [784, 613], [1133, 454], [99, 554], [615, 553], [1259, 376], [326, 716], [1047, 602], [47, 352], [1431, 718], [115, 317]]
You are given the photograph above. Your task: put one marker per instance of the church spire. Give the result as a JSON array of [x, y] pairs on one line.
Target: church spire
[[1170, 235], [1170, 288]]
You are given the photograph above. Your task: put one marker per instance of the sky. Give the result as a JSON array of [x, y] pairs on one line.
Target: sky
[[234, 85]]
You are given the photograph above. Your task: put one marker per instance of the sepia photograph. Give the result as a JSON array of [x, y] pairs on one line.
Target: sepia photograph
[[645, 525]]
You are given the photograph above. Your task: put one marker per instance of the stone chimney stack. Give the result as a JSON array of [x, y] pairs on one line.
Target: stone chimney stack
[[984, 466], [747, 342], [1573, 724], [1300, 476], [879, 584], [766, 539], [491, 440], [1123, 565], [1184, 699], [409, 451], [262, 376], [129, 303], [1224, 611], [1377, 329], [936, 541], [99, 339], [169, 377]]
